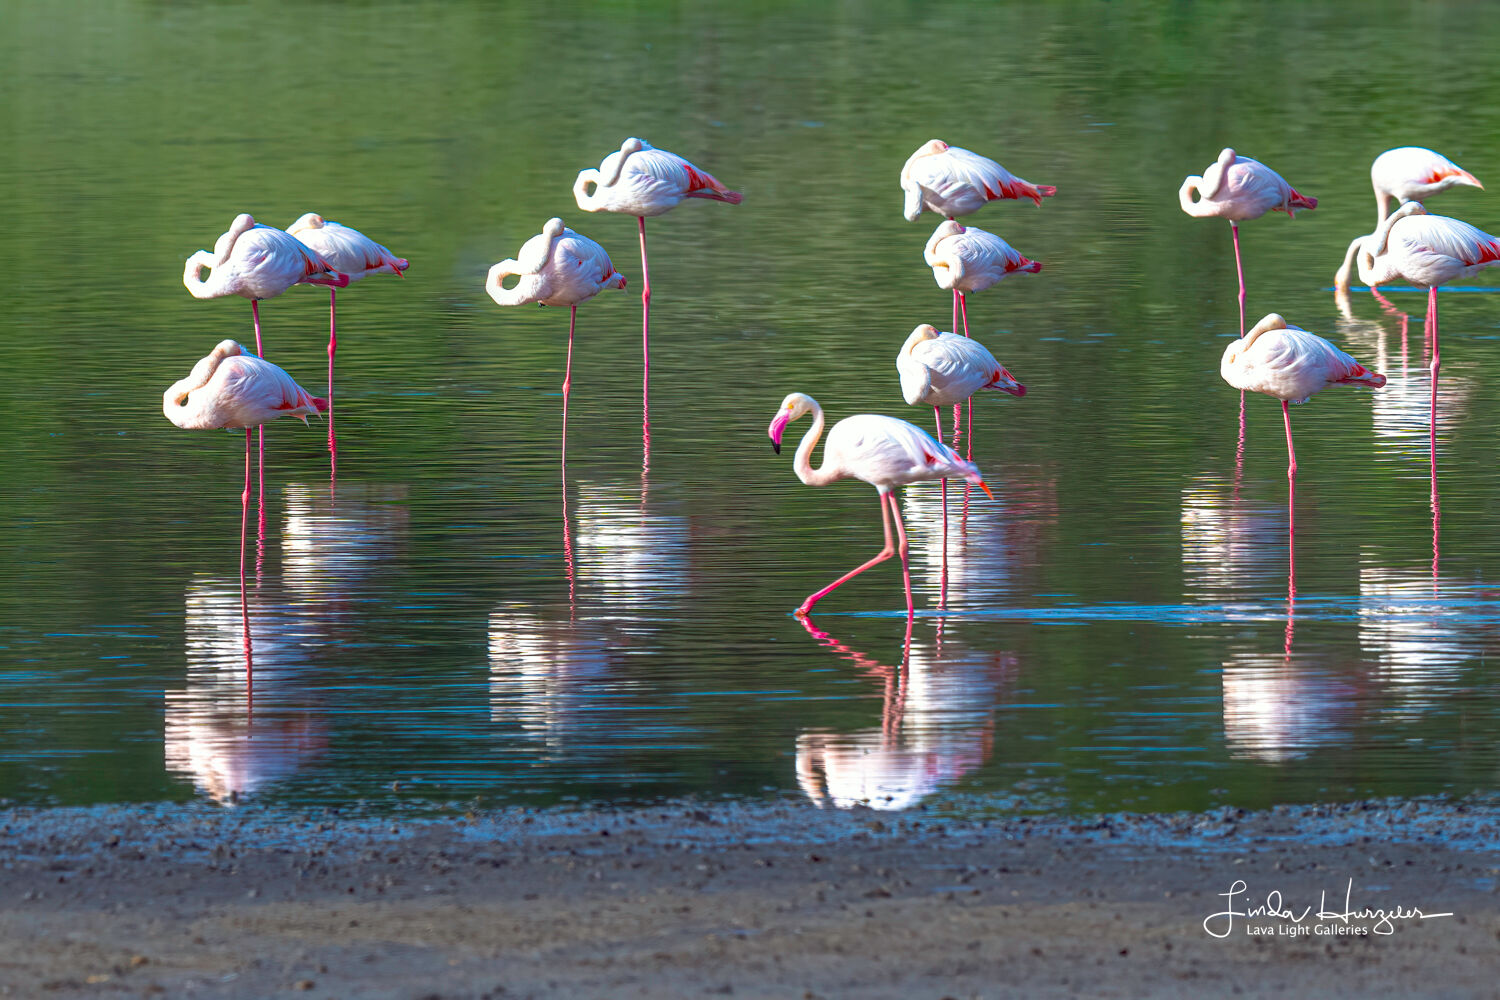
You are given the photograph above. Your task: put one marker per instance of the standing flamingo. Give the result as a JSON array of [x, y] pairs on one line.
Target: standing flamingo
[[968, 259], [257, 262], [1412, 173], [1290, 364], [232, 389], [942, 368], [1238, 188], [640, 180], [886, 453], [353, 253], [557, 268], [1427, 250]]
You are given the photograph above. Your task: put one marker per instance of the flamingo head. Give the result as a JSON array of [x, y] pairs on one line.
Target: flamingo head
[[931, 147], [1006, 382], [794, 406], [924, 332], [312, 220]]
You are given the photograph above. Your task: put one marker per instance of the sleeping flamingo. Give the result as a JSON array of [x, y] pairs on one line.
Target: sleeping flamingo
[[951, 181], [1237, 188], [942, 368], [1412, 173], [640, 180], [1427, 250], [968, 259], [1290, 364], [557, 268], [886, 453], [232, 389], [258, 262], [353, 253]]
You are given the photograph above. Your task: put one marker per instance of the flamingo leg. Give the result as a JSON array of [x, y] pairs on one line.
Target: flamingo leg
[[880, 557], [567, 384], [1291, 471], [645, 352], [244, 523], [937, 416], [901, 543], [963, 309], [956, 297], [333, 345], [260, 432], [1239, 270], [1432, 321]]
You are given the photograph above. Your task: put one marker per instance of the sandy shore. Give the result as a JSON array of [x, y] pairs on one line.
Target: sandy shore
[[773, 900]]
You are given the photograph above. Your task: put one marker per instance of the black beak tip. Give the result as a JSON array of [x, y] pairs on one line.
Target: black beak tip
[[776, 447]]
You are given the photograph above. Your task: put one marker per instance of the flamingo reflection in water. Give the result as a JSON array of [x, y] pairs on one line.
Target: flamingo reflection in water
[[937, 725], [626, 552], [545, 674], [328, 545], [1231, 547], [234, 731], [998, 541], [1419, 631]]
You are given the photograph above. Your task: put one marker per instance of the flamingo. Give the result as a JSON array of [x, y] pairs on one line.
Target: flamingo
[[886, 453], [1427, 250], [557, 268], [1238, 188], [1412, 173], [1290, 364], [951, 181], [257, 262], [232, 389], [353, 253], [640, 180], [968, 259]]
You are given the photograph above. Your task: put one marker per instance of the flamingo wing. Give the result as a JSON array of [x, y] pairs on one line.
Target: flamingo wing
[[1447, 237], [887, 452], [959, 366]]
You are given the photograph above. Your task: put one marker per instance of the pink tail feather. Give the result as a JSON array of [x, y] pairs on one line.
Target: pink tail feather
[[320, 404], [732, 197]]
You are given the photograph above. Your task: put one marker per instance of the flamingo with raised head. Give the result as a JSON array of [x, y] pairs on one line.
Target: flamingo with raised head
[[1414, 173], [350, 252], [556, 268], [1427, 250], [232, 389], [886, 453], [1290, 364], [952, 181], [640, 180], [1237, 188]]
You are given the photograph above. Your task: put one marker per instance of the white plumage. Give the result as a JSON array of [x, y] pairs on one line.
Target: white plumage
[[639, 179], [951, 180], [1414, 245], [942, 368], [232, 389], [1289, 363], [557, 268], [1413, 173], [348, 250], [968, 259], [258, 262], [1237, 188]]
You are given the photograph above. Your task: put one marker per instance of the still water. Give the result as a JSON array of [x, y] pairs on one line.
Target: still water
[[1124, 626]]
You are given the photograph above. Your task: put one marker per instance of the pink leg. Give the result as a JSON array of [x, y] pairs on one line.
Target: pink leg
[[901, 543], [1432, 321], [333, 345], [1239, 270], [882, 556], [937, 416], [963, 309], [1291, 470], [260, 432], [956, 297], [568, 383], [244, 523], [645, 352]]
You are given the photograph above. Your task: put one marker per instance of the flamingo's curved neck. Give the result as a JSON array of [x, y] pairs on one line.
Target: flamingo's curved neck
[[1341, 279], [192, 275], [1382, 206], [1185, 194], [581, 193], [802, 464]]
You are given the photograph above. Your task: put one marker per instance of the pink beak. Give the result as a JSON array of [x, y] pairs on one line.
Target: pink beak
[[777, 428], [1007, 383]]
